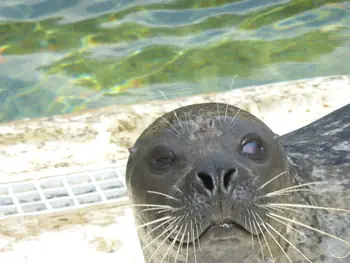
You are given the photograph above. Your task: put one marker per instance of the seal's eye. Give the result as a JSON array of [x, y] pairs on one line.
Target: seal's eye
[[253, 149], [161, 160]]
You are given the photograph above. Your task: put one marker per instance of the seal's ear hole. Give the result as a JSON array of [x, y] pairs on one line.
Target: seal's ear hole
[[132, 149]]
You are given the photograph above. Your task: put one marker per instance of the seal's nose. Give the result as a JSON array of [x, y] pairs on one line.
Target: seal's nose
[[220, 179]]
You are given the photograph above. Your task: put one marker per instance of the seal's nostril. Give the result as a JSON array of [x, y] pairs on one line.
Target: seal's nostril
[[228, 177], [207, 181]]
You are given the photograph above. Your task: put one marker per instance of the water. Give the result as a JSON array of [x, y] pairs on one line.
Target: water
[[62, 56]]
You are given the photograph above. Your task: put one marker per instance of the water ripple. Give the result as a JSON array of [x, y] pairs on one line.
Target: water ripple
[[61, 56]]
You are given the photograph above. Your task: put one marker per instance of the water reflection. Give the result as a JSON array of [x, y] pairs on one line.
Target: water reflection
[[64, 56]]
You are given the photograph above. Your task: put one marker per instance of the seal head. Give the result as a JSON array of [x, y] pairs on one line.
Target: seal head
[[197, 177]]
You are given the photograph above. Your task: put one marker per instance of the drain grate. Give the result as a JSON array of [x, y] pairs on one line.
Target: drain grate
[[63, 192]]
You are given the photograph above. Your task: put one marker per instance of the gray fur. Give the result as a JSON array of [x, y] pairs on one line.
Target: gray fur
[[321, 152]]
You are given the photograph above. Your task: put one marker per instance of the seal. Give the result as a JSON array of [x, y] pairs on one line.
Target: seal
[[212, 183]]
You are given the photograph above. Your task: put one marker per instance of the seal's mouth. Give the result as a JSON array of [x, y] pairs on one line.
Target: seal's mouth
[[222, 230], [229, 225]]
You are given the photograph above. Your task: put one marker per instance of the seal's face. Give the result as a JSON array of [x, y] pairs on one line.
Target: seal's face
[[196, 177]]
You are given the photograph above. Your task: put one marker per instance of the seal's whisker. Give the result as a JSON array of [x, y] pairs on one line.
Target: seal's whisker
[[174, 243], [200, 222], [270, 208], [159, 226], [154, 221], [227, 103], [271, 180], [183, 240], [176, 188], [160, 235], [251, 230], [188, 245], [156, 209], [256, 231], [287, 192], [163, 194], [194, 243], [296, 187], [186, 121], [197, 233], [290, 243], [162, 210], [181, 243], [284, 205], [211, 212], [347, 219], [234, 119], [267, 207], [275, 240], [151, 205], [177, 134], [170, 226], [173, 225], [169, 210], [272, 215], [262, 232], [174, 228], [177, 117], [217, 108], [171, 245], [296, 190], [291, 227], [256, 178]]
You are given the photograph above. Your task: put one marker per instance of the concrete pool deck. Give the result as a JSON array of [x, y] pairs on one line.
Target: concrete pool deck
[[42, 148]]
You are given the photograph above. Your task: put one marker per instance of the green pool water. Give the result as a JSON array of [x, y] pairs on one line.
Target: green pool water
[[63, 56]]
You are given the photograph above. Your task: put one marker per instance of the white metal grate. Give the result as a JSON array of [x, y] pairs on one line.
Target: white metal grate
[[63, 192]]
